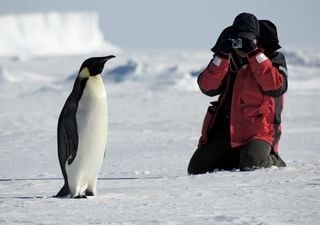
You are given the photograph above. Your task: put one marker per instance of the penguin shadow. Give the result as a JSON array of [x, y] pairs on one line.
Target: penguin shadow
[[33, 197], [27, 180], [27, 197]]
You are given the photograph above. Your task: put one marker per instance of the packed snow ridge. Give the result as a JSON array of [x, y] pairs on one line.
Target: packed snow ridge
[[53, 33]]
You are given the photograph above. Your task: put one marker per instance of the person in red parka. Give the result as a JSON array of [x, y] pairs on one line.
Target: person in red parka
[[242, 129]]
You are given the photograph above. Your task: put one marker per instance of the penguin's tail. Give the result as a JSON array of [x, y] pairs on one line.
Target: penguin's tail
[[64, 191]]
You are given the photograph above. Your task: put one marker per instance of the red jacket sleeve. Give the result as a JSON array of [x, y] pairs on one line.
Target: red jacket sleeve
[[210, 80], [271, 78]]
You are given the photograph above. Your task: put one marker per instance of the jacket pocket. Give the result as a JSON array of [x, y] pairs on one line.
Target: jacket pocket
[[255, 112]]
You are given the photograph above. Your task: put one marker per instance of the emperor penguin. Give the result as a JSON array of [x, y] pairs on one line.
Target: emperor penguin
[[82, 131]]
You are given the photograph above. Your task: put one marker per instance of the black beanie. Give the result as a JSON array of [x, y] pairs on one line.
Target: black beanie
[[246, 25]]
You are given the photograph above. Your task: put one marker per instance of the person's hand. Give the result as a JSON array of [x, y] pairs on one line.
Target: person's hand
[[226, 47], [248, 46], [223, 45]]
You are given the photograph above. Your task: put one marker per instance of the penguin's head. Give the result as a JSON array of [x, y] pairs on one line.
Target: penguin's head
[[93, 66]]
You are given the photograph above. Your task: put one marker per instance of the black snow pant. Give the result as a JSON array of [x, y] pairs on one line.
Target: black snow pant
[[218, 155]]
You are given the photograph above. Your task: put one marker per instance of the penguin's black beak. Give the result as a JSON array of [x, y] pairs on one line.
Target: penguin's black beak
[[106, 58]]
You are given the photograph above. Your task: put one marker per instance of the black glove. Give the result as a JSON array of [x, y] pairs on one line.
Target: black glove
[[226, 47], [223, 45], [248, 46]]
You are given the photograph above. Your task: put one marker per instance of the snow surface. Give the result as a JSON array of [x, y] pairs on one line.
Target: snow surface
[[155, 117]]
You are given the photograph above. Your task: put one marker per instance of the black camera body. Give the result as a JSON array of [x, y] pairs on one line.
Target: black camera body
[[236, 42]]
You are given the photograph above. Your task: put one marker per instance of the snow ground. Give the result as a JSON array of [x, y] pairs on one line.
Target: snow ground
[[155, 117]]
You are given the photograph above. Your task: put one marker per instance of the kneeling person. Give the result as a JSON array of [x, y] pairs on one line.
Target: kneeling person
[[242, 129]]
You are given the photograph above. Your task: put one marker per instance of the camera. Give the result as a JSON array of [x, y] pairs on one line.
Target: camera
[[236, 42]]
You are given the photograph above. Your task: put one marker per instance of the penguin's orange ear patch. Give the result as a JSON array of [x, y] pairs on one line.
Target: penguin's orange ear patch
[[84, 73]]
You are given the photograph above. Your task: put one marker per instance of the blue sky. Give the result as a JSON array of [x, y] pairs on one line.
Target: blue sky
[[185, 24]]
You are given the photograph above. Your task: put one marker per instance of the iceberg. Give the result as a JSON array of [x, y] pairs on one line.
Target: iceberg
[[52, 33]]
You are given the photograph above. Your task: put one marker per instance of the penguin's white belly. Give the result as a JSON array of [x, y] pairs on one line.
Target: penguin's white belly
[[92, 138]]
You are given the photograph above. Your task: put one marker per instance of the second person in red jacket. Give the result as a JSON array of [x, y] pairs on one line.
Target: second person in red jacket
[[242, 129]]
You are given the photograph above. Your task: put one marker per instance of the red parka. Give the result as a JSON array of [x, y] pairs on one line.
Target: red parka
[[257, 97]]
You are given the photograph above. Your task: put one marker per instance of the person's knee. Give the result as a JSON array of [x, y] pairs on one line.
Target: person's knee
[[255, 155], [202, 161], [250, 159]]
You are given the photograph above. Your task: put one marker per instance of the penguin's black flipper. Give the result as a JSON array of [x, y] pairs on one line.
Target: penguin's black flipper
[[71, 138], [67, 127], [66, 144]]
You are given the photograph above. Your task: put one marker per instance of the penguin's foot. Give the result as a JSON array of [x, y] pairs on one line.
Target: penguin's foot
[[80, 196], [89, 193]]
